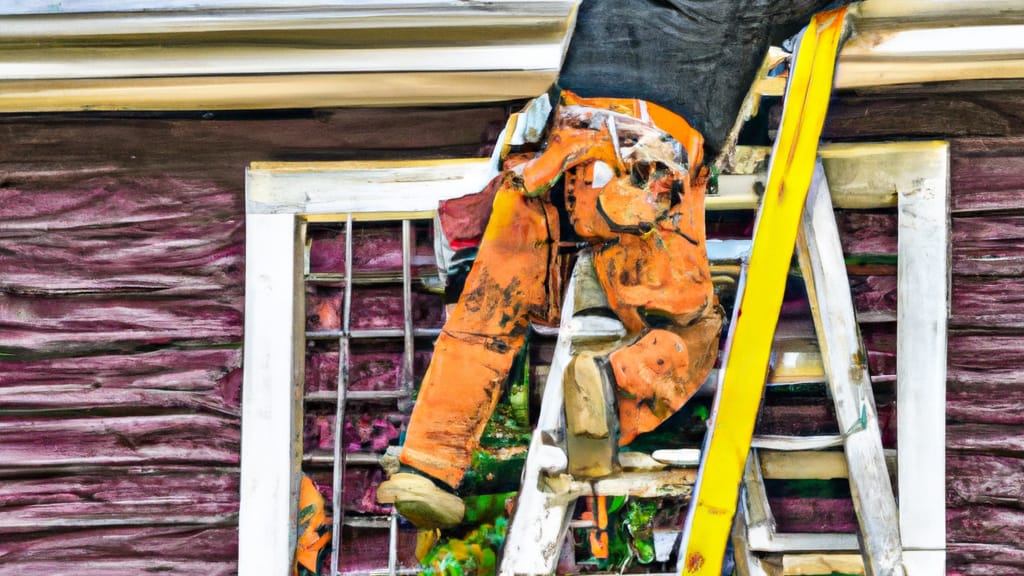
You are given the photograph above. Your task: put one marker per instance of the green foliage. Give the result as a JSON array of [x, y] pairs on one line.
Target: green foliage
[[474, 555]]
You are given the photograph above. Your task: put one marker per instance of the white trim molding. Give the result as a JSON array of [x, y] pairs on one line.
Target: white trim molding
[[265, 54], [900, 42], [258, 54], [274, 319]]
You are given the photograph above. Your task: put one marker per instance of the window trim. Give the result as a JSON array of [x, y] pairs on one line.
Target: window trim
[[282, 197]]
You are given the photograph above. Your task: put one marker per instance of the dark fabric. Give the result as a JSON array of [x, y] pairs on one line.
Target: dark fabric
[[695, 57]]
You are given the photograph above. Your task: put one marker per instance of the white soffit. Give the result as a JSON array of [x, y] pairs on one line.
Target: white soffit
[[898, 42], [251, 54]]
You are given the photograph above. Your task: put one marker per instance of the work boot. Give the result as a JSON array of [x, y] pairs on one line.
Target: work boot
[[421, 501]]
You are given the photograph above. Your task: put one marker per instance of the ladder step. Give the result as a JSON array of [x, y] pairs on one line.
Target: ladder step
[[795, 443], [662, 483], [794, 542], [795, 564], [682, 457], [811, 464], [587, 329]]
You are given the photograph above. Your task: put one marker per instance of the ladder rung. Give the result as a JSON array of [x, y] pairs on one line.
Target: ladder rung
[[811, 464], [683, 457], [595, 328], [793, 564], [662, 483], [728, 250], [794, 542], [794, 443]]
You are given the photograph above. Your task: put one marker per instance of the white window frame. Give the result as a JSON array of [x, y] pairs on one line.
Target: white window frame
[[282, 197], [918, 175]]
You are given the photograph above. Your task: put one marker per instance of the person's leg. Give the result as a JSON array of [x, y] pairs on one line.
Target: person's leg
[[659, 284], [507, 286], [656, 375]]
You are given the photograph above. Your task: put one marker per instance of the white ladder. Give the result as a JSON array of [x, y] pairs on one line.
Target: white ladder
[[548, 493], [845, 363]]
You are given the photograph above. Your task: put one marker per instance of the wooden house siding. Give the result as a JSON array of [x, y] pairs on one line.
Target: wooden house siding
[[121, 303], [121, 296], [985, 387]]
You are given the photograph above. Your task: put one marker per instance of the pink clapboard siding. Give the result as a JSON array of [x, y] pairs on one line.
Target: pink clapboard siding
[[121, 319]]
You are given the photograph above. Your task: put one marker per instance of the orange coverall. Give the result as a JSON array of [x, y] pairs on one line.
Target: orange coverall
[[635, 191]]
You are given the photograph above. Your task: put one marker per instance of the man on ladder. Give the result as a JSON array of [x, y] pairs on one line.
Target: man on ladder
[[635, 194]]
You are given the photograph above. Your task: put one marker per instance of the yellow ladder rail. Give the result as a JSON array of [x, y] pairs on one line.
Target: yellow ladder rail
[[710, 518]]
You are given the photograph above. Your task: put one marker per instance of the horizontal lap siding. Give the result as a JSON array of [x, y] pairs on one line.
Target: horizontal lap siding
[[985, 386], [121, 292]]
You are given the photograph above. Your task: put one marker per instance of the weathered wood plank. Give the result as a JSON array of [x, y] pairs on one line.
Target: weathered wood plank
[[813, 515], [989, 245], [925, 115], [415, 187], [985, 438], [170, 566], [167, 379], [973, 479], [747, 562], [120, 496], [969, 559], [986, 358], [985, 524], [818, 418], [30, 325], [143, 224], [165, 236], [880, 341], [874, 297], [176, 547], [864, 233], [27, 443], [985, 402], [813, 564], [816, 464], [991, 303], [987, 174], [132, 550], [271, 435], [216, 146]]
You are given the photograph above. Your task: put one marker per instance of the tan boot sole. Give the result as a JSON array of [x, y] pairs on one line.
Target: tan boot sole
[[421, 501]]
